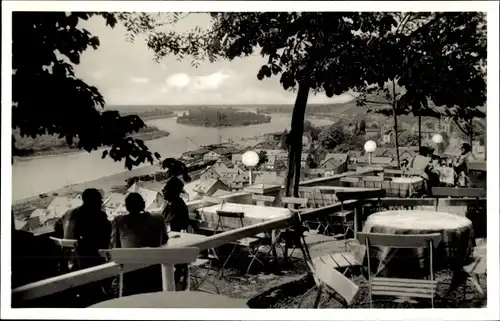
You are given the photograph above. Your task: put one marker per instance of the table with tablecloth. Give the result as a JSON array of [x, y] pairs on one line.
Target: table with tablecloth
[[168, 300], [453, 251], [394, 186], [252, 214]]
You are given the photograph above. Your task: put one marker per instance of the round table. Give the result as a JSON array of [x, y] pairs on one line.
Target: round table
[[457, 235], [182, 299]]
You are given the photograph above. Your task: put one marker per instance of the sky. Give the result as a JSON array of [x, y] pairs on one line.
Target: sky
[[126, 74]]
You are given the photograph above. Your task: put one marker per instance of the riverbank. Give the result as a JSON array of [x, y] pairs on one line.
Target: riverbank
[[49, 145]]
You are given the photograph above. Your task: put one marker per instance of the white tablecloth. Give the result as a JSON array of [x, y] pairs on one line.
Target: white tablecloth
[[456, 231], [253, 214]]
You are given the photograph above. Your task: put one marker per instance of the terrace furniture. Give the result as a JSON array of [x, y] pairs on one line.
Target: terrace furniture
[[331, 281], [184, 299], [289, 234], [263, 200], [167, 257], [355, 195], [252, 244], [401, 287], [476, 268], [70, 257], [454, 249], [311, 193]]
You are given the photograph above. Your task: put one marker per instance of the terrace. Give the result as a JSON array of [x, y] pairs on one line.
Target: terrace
[[284, 280]]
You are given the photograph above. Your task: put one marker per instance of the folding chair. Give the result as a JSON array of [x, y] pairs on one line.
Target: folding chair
[[167, 257], [476, 268], [342, 215], [205, 262], [70, 260], [345, 261], [402, 287], [288, 234], [331, 281], [252, 244], [356, 195]]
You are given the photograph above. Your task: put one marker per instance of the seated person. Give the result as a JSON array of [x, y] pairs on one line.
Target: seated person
[[139, 229], [422, 165], [90, 226]]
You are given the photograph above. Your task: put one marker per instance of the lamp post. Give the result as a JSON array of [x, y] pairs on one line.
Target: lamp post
[[370, 147], [250, 159], [438, 139]]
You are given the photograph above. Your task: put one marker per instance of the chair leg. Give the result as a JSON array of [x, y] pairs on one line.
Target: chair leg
[[227, 260], [318, 297], [305, 296], [253, 254], [475, 281]]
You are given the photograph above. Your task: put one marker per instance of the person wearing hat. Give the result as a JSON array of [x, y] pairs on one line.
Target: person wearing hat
[[175, 212], [460, 164]]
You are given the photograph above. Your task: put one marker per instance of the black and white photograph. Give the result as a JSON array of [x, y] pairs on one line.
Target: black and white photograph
[[249, 155]]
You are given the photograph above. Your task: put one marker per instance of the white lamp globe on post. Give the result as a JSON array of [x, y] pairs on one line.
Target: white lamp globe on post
[[250, 159], [370, 147], [437, 139]]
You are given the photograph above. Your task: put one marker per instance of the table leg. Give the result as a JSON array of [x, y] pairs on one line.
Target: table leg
[[356, 217]]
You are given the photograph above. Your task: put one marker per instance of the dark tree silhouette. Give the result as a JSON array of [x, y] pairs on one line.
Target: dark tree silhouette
[[48, 98], [429, 57]]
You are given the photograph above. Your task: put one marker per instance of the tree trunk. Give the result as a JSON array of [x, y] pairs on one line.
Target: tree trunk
[[419, 132], [471, 132], [295, 141], [396, 136]]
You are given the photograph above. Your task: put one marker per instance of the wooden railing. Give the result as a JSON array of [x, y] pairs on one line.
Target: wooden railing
[[75, 279]]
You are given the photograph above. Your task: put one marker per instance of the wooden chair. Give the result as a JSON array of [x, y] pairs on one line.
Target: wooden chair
[[252, 244], [70, 257], [401, 288], [331, 281], [287, 235], [343, 214], [345, 261], [167, 257], [262, 200]]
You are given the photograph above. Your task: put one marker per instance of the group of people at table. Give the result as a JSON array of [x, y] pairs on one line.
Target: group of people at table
[[437, 170]]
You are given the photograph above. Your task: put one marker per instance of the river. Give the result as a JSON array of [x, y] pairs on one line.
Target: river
[[31, 177]]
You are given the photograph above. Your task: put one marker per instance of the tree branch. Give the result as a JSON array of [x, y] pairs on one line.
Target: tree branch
[[460, 127]]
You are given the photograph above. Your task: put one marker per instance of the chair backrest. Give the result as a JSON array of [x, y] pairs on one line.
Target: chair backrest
[[360, 195], [229, 214], [64, 243], [458, 192], [167, 257], [301, 201], [336, 281], [263, 199], [399, 240]]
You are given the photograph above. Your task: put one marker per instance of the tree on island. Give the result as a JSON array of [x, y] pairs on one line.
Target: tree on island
[[48, 98]]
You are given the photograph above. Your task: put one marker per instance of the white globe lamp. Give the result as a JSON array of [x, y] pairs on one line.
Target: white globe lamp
[[250, 159], [370, 147], [438, 139]]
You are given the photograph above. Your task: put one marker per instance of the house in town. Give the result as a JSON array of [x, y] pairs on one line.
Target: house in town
[[335, 163], [236, 159], [211, 156], [209, 187]]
